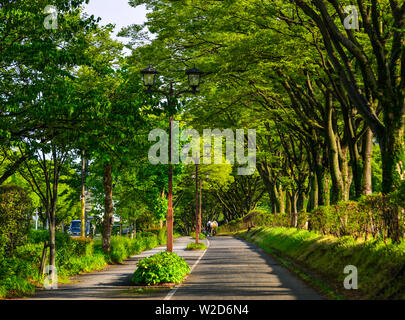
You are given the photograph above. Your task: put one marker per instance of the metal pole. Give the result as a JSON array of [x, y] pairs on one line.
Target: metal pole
[[83, 199], [170, 204], [197, 231], [199, 214]]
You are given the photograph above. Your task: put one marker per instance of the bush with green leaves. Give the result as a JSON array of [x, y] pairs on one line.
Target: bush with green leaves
[[15, 216], [200, 236], [163, 267], [363, 218], [196, 246], [19, 272]]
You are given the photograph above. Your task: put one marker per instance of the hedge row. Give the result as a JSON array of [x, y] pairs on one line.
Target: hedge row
[[19, 272], [358, 219]]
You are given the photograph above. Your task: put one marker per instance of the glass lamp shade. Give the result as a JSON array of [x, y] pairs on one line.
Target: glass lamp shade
[[149, 76], [194, 77]]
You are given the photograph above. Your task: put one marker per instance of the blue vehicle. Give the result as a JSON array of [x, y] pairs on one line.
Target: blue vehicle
[[75, 228]]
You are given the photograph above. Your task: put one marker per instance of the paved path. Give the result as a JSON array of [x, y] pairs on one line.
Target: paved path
[[229, 269], [234, 269], [114, 281]]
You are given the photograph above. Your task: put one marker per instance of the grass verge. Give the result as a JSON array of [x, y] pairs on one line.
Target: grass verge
[[19, 274], [196, 246], [380, 265]]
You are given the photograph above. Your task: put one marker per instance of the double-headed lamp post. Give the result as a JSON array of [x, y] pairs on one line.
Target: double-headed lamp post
[[149, 80]]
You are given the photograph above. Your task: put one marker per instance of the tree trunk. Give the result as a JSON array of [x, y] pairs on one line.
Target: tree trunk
[[294, 209], [392, 152], [326, 183], [314, 193], [337, 181], [345, 172], [281, 199], [320, 179], [52, 247], [366, 184], [288, 209], [108, 207], [135, 227]]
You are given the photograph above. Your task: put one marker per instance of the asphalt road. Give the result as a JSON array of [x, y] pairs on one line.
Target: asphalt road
[[229, 269], [234, 269]]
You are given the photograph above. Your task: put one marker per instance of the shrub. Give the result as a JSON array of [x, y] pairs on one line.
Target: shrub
[[150, 242], [162, 236], [363, 218], [37, 236], [76, 265], [118, 251], [82, 246], [15, 286], [163, 267], [196, 246], [15, 216], [200, 236], [73, 256]]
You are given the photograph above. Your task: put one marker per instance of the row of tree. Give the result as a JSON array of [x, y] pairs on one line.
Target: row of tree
[[69, 96], [65, 93], [323, 85]]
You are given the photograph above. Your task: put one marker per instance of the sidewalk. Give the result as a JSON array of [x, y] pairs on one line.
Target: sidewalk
[[113, 282]]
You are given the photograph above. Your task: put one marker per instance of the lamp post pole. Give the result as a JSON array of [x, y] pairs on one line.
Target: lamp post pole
[[197, 230], [83, 197], [170, 196], [199, 214], [149, 78]]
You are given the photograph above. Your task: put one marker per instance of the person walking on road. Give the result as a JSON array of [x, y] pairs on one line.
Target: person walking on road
[[214, 225], [209, 228]]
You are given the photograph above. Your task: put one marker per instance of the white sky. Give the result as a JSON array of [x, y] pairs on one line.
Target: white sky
[[117, 12]]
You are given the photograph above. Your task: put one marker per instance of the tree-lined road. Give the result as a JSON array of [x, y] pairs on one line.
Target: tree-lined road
[[234, 269], [229, 269]]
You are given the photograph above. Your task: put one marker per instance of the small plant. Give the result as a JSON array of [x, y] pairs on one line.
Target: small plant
[[200, 236], [163, 267], [196, 246]]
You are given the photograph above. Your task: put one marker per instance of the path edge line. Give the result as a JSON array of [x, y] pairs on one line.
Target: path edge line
[[173, 291]]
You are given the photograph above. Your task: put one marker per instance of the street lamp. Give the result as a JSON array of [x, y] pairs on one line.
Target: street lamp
[[149, 77], [149, 80], [194, 77]]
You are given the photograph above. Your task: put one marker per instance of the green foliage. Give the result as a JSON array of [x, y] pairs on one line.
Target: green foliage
[[196, 246], [380, 265], [163, 267], [200, 236], [363, 218], [82, 246], [19, 273], [15, 216], [161, 234], [120, 248]]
